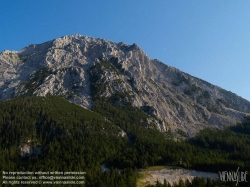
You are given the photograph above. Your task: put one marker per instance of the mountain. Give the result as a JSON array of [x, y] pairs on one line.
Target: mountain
[[88, 70]]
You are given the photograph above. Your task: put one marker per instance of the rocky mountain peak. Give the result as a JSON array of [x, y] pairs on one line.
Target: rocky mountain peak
[[74, 66]]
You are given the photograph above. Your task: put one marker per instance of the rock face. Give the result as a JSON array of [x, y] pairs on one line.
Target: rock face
[[27, 151], [82, 68]]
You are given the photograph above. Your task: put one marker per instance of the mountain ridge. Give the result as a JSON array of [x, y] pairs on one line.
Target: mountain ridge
[[71, 65]]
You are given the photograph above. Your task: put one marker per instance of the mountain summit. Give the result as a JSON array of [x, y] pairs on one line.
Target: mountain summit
[[84, 70]]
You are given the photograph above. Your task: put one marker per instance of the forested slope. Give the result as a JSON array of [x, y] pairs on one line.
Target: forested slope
[[72, 138]]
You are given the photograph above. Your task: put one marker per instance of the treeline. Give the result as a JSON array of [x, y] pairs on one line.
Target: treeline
[[242, 128], [211, 150]]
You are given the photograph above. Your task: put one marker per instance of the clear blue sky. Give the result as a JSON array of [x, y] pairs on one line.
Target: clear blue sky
[[207, 39]]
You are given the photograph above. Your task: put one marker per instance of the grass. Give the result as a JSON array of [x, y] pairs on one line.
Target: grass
[[142, 176]]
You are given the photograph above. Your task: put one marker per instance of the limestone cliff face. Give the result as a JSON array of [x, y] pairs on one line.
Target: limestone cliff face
[[73, 66]]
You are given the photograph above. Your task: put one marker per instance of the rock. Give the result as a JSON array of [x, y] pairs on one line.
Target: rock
[[68, 66]]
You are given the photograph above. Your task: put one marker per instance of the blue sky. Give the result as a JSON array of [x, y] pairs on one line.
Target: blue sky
[[207, 39]]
